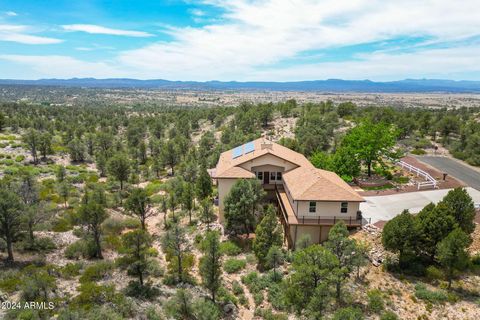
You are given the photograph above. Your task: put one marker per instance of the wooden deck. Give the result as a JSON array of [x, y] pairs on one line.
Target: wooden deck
[[292, 219]]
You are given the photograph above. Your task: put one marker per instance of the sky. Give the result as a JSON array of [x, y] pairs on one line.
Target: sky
[[241, 40]]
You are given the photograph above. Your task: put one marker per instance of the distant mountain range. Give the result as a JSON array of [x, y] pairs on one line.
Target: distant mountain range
[[330, 85]]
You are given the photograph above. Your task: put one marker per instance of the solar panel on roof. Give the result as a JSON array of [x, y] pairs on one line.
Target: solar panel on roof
[[249, 147], [237, 152]]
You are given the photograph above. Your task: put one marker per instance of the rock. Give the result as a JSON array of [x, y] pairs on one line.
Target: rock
[[229, 308], [3, 297]]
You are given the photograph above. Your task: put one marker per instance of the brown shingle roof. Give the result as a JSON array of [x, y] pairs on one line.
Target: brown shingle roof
[[226, 161], [304, 182], [316, 184], [236, 172]]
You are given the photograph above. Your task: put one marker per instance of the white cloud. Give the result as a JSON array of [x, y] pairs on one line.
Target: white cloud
[[268, 39], [11, 13], [262, 34], [95, 29], [19, 34], [63, 66], [197, 12], [447, 63]]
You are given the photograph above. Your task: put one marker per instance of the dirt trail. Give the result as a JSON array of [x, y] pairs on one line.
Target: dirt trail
[[245, 312]]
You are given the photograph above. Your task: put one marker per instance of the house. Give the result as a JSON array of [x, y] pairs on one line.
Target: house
[[309, 200]]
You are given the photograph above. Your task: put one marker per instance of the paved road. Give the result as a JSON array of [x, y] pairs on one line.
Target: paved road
[[387, 207], [454, 168]]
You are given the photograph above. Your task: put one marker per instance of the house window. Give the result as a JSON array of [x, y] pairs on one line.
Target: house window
[[273, 176], [312, 208], [344, 207], [279, 176], [260, 175]]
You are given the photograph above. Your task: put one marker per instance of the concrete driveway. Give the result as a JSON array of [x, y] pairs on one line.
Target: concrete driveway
[[469, 176], [387, 207]]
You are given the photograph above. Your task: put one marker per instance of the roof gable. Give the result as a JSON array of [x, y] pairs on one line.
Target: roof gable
[[304, 182]]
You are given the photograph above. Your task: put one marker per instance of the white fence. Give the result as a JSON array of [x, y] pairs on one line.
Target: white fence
[[429, 180]]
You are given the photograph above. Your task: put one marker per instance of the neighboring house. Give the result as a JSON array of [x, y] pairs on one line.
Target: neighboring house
[[309, 200]]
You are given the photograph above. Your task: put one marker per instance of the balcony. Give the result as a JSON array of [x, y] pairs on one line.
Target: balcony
[[328, 221], [290, 218]]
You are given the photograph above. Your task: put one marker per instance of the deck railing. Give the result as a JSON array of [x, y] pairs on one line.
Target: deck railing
[[322, 220]]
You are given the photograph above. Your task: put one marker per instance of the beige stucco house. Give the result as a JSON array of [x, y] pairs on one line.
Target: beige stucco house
[[309, 200]]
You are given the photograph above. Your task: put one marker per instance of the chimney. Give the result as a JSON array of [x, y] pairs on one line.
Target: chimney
[[266, 144]]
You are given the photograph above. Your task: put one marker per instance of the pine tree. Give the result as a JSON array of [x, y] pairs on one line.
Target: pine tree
[[137, 246], [11, 218], [119, 167], [138, 203], [210, 263], [452, 254], [203, 184], [267, 235], [241, 205], [462, 208], [206, 212], [274, 259], [175, 245], [92, 215], [343, 248], [187, 199]]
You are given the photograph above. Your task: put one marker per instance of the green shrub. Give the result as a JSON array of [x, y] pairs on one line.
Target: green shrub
[[97, 271], [113, 225], [156, 198], [71, 270], [268, 314], [234, 265], [76, 179], [79, 232], [224, 296], [421, 292], [146, 291], [91, 294], [10, 280], [153, 187], [131, 223], [256, 283], [8, 162], [230, 249], [80, 249], [375, 301], [112, 242], [476, 259], [401, 179], [152, 313], [251, 259], [237, 288], [349, 313], [276, 297], [250, 278], [44, 244], [389, 315], [433, 273], [258, 298], [418, 152], [61, 225], [19, 158], [204, 309], [242, 300]]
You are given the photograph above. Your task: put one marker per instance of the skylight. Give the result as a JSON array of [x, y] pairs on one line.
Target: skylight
[[243, 149]]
